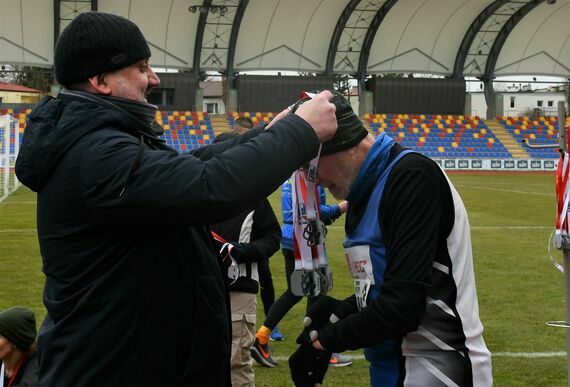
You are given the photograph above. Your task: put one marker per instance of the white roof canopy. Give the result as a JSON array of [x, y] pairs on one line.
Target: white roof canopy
[[482, 38]]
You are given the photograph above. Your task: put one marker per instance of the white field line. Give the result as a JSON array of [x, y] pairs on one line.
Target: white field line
[[20, 230], [485, 227], [496, 354], [504, 190], [24, 202]]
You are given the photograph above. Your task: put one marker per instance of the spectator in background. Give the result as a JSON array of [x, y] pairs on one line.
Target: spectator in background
[[328, 213], [408, 248], [254, 237], [242, 124], [267, 290], [18, 357], [134, 291]]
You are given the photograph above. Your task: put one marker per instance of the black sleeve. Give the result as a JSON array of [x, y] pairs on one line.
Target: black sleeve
[[411, 223], [168, 189], [209, 151], [265, 236]]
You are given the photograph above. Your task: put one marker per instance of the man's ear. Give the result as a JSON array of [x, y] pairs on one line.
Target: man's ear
[[99, 84]]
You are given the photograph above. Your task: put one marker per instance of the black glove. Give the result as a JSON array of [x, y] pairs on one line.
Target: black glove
[[308, 365], [229, 261], [325, 310], [238, 252], [317, 316]]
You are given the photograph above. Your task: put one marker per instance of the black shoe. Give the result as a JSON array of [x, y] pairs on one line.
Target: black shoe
[[262, 354]]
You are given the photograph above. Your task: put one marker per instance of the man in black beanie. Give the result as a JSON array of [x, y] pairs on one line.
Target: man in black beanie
[[134, 292], [408, 250]]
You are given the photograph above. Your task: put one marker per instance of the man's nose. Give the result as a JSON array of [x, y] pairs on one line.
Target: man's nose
[[153, 79]]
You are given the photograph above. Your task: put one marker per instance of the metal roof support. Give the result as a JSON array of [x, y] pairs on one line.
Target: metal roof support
[[56, 20], [490, 98], [203, 19], [199, 40], [233, 42], [340, 25], [57, 16], [469, 36], [365, 50], [488, 76]]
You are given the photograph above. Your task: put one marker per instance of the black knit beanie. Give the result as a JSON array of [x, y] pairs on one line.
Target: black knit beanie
[[18, 325], [350, 129], [94, 43]]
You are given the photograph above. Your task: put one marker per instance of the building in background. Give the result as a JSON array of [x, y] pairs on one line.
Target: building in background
[[11, 93]]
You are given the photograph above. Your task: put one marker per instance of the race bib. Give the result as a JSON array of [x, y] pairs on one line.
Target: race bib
[[360, 266]]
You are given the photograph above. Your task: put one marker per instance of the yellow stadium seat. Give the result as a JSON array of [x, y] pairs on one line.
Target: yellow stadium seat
[[468, 126], [427, 131], [517, 131], [203, 127], [367, 116], [454, 145], [440, 149], [475, 135], [491, 140], [415, 130], [483, 131], [192, 132], [401, 134], [449, 130], [532, 136], [400, 125], [206, 137]]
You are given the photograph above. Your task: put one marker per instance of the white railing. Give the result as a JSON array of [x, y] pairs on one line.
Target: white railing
[[9, 147]]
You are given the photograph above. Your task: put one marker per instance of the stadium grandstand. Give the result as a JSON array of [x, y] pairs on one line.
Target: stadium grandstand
[[369, 41]]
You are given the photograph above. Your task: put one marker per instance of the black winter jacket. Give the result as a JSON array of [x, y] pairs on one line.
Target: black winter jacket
[[134, 291]]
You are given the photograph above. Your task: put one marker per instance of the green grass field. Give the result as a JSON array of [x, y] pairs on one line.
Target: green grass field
[[511, 216]]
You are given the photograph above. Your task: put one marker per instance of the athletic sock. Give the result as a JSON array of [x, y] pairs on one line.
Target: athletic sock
[[263, 335]]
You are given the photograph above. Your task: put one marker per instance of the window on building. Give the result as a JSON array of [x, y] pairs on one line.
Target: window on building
[[512, 102], [550, 103], [212, 107], [161, 96], [539, 103]]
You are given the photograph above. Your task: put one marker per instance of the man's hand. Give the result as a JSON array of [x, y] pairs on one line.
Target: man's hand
[[283, 113], [319, 112]]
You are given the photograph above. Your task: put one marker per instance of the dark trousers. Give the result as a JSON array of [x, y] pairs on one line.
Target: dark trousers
[[287, 300]]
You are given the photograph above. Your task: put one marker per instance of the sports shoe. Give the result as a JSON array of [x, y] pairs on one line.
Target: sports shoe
[[276, 335], [262, 354], [338, 360]]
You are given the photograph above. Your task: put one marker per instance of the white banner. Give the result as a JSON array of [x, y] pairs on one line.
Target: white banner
[[529, 165]]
